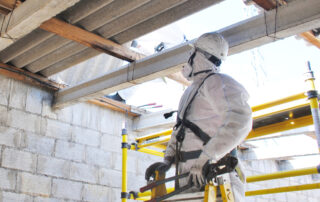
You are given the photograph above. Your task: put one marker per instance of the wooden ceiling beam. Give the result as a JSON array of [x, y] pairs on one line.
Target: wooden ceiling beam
[[89, 39], [309, 36], [9, 4], [28, 77]]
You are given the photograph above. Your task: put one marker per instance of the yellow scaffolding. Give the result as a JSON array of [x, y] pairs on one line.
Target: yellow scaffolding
[[297, 116]]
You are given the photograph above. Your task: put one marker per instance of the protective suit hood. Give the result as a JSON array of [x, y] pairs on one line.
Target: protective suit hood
[[200, 67]]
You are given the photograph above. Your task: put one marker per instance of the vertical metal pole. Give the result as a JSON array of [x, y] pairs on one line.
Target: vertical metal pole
[[124, 194], [314, 105]]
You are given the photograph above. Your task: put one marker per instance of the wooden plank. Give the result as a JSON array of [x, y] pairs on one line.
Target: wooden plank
[[8, 4], [28, 77], [114, 105], [308, 36], [269, 4], [89, 39], [4, 11]]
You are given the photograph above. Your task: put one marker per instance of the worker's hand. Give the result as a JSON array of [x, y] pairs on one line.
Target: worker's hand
[[196, 171], [159, 166], [196, 176]]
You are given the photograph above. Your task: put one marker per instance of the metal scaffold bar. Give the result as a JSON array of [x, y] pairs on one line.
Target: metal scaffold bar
[[314, 104], [283, 189], [284, 174], [124, 146], [279, 102]]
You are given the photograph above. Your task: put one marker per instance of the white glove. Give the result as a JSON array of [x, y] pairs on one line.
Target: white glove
[[196, 175]]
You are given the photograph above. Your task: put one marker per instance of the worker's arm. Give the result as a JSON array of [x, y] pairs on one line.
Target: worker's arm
[[171, 147], [230, 101]]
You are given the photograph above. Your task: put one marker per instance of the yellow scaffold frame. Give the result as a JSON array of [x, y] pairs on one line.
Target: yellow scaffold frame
[[156, 142]]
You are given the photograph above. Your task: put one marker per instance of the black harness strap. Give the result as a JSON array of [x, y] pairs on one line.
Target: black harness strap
[[185, 156], [197, 131], [186, 123]]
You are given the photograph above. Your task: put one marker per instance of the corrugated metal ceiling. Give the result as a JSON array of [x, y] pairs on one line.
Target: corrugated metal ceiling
[[119, 20]]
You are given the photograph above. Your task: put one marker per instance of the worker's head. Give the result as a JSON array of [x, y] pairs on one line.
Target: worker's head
[[209, 50]]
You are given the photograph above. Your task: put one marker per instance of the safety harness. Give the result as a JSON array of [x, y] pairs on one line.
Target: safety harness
[[183, 124]]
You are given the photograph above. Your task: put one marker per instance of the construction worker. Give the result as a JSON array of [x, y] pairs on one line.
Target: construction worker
[[213, 117]]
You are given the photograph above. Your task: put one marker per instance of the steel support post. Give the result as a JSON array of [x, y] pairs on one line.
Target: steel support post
[[124, 146], [314, 104]]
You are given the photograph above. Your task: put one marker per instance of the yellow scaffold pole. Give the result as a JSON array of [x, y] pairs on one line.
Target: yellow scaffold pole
[[124, 146], [283, 189], [284, 174], [314, 105]]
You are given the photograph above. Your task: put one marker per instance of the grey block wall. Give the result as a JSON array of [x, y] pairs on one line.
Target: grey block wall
[[73, 154]]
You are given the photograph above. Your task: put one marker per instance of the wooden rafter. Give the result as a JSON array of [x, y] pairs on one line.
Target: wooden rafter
[[269, 4], [28, 77], [309, 36], [114, 105], [89, 39], [6, 6]]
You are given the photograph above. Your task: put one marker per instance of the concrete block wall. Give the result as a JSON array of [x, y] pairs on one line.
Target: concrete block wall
[[73, 154], [257, 167]]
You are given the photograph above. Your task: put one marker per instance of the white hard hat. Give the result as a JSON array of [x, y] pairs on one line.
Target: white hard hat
[[214, 44]]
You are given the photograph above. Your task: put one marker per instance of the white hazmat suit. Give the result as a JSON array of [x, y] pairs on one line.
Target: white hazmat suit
[[219, 108]]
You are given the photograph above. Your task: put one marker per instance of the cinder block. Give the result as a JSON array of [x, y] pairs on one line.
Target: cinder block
[[86, 115], [8, 179], [112, 122], [93, 120], [18, 95], [37, 144], [136, 181], [13, 197], [115, 195], [66, 189], [95, 193], [131, 162], [47, 110], [3, 114], [58, 129], [64, 114], [144, 161], [106, 121], [34, 100], [98, 157], [110, 178], [25, 121], [70, 151], [19, 160], [86, 136], [83, 172], [53, 167], [10, 136], [5, 84], [77, 117], [34, 185], [111, 143]]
